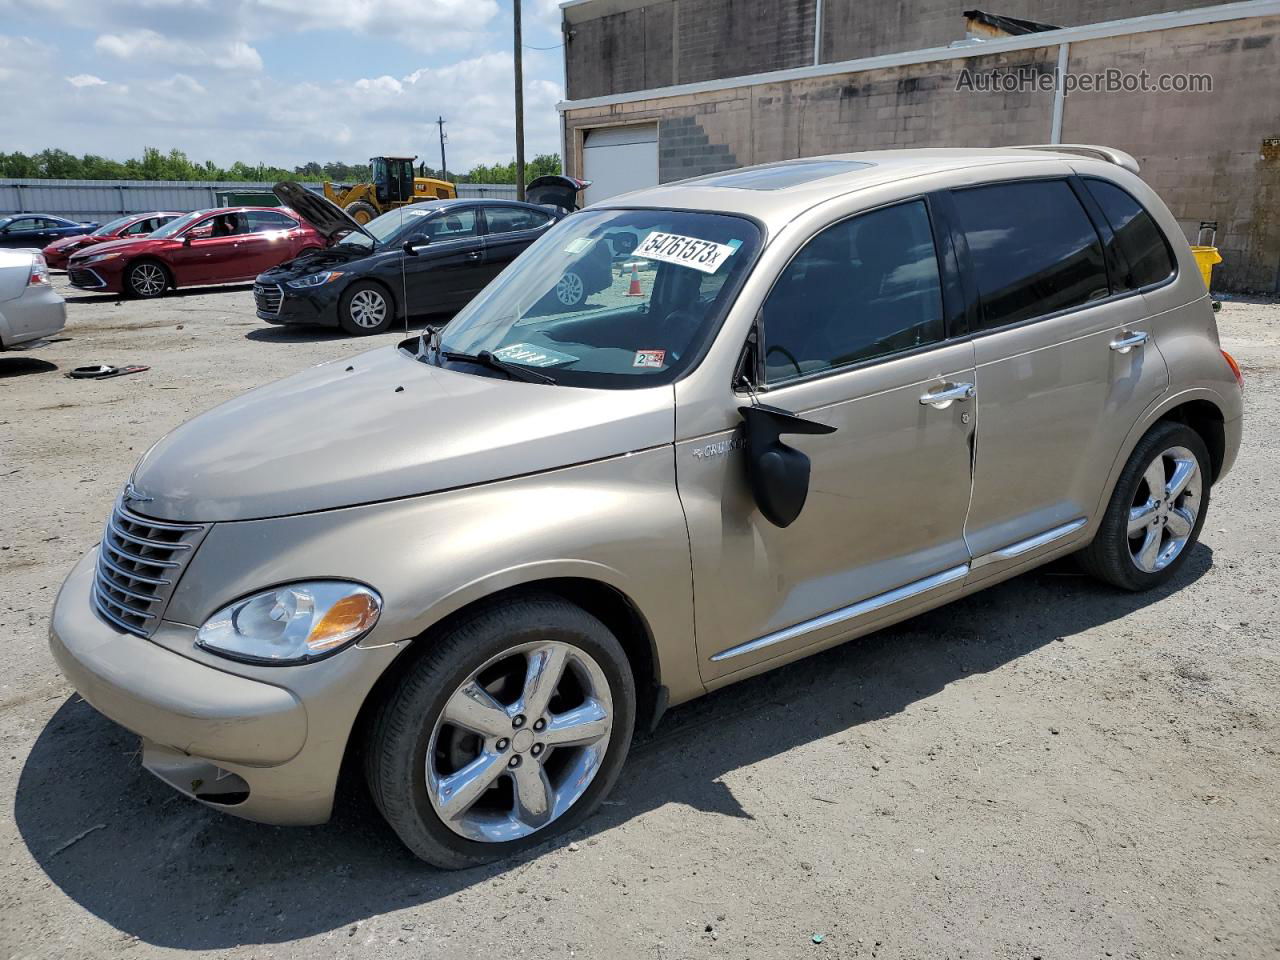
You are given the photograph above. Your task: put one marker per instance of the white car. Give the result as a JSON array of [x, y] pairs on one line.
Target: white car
[[30, 309]]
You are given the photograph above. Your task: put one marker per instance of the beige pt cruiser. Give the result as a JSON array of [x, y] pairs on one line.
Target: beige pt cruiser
[[804, 401]]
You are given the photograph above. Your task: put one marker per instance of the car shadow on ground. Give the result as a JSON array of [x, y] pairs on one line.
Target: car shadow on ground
[[169, 872], [179, 293], [23, 366]]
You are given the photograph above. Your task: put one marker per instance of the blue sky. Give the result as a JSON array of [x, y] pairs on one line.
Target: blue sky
[[276, 81]]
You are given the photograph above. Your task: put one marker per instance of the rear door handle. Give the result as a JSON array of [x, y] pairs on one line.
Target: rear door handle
[[941, 399], [1127, 341]]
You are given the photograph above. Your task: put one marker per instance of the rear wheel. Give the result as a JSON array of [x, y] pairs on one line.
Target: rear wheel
[[146, 279], [510, 730], [361, 212], [1156, 511], [365, 308]]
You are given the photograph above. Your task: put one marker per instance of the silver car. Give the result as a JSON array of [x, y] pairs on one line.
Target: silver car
[[30, 309], [820, 397]]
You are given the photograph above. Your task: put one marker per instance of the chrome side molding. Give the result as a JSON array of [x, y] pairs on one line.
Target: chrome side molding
[[1031, 543], [844, 614]]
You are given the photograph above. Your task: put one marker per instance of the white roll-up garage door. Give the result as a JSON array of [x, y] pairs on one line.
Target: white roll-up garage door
[[619, 159]]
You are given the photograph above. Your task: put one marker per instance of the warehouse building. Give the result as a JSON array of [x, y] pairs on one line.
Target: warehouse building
[[667, 89]]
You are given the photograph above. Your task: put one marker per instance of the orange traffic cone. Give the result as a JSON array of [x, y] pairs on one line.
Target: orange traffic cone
[[634, 290]]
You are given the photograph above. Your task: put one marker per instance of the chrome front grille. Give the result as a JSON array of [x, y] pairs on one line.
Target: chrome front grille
[[268, 297], [139, 564]]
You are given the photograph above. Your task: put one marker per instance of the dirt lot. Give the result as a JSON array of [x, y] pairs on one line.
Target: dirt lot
[[1048, 769]]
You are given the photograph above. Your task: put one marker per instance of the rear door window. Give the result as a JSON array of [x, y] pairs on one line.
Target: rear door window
[[264, 221], [511, 219], [1142, 244], [863, 288], [1032, 248]]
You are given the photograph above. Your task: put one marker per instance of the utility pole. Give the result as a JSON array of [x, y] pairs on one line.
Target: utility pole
[[515, 9], [444, 171]]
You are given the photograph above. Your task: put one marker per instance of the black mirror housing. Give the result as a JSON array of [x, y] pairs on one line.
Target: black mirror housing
[[777, 474]]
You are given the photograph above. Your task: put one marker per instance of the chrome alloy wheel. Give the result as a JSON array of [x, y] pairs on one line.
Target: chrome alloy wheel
[[147, 279], [1164, 511], [368, 309], [519, 742], [569, 289]]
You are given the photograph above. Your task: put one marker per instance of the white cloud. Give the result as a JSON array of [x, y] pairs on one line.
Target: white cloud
[[86, 80], [150, 47]]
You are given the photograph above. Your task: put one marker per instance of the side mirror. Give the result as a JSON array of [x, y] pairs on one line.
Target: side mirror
[[777, 474], [413, 243], [186, 239]]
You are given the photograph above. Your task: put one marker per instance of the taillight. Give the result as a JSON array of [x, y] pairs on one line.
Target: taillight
[[1235, 368], [39, 271]]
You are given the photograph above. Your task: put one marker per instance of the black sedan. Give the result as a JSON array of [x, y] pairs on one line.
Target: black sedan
[[418, 260], [39, 229]]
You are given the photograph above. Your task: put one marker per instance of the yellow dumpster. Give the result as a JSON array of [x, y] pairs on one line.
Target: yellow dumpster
[[1206, 257]]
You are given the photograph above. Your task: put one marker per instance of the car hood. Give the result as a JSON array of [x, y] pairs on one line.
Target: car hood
[[382, 426], [328, 219], [77, 241], [128, 245]]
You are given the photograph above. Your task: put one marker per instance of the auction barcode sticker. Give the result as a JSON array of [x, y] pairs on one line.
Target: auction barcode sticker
[[704, 255]]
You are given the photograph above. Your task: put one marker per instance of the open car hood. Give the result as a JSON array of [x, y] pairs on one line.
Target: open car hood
[[330, 220]]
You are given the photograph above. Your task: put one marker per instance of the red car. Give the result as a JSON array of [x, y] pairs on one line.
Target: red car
[[59, 252], [222, 245]]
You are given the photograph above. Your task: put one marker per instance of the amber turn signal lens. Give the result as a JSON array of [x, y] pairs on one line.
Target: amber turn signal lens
[[1235, 368], [349, 617]]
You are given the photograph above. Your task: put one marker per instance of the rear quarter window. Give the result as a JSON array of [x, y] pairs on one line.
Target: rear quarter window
[[1142, 245], [1032, 249]]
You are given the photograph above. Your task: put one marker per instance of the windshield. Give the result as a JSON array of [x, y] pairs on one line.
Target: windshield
[[173, 227], [107, 229], [612, 298], [385, 227]]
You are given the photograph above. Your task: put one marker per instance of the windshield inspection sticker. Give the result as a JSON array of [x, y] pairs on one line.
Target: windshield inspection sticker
[[579, 245], [649, 358], [704, 255], [528, 355]]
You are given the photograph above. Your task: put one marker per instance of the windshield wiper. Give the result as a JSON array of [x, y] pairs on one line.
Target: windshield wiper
[[486, 359]]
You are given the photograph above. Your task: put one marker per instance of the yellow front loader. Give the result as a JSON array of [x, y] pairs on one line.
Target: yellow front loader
[[394, 185]]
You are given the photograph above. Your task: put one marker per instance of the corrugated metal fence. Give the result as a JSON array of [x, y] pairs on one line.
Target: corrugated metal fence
[[103, 199]]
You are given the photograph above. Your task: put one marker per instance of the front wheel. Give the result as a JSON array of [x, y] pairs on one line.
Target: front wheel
[[510, 730], [1156, 511], [365, 308], [146, 279]]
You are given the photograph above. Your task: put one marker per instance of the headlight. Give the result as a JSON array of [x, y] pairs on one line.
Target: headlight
[[293, 623], [97, 257], [314, 280]]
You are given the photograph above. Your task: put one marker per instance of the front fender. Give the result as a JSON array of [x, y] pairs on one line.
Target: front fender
[[616, 521]]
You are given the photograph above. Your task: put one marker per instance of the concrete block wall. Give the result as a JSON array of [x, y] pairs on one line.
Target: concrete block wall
[[1212, 156], [684, 41], [1206, 154], [868, 28]]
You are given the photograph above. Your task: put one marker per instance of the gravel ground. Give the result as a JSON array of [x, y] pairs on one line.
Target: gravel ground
[[1047, 769]]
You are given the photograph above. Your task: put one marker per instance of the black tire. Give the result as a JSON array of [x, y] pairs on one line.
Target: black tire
[[1108, 557], [359, 301], [361, 212], [142, 277], [396, 748]]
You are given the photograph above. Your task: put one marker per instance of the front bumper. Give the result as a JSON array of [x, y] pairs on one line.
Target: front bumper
[[261, 750], [279, 304], [86, 278]]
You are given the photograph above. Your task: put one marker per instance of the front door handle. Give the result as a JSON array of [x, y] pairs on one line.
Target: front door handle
[[1127, 341], [941, 399], [474, 255]]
